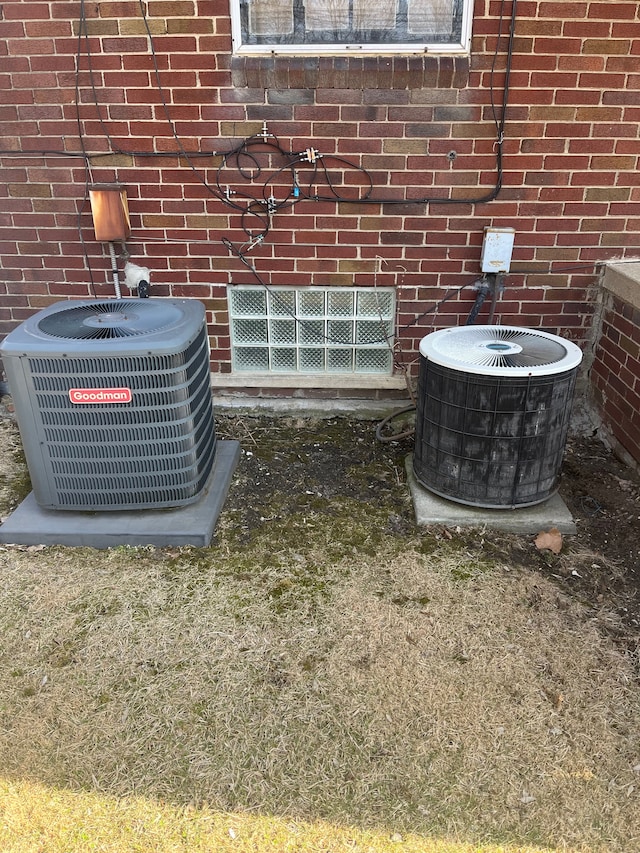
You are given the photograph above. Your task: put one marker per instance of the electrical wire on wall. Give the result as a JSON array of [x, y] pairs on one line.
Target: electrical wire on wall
[[88, 176], [256, 211], [296, 177], [299, 176], [288, 177]]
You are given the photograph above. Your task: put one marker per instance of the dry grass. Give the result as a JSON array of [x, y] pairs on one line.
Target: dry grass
[[51, 820], [311, 695], [13, 480], [414, 692]]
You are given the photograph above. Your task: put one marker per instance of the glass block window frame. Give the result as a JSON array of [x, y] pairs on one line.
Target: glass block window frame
[[332, 330]]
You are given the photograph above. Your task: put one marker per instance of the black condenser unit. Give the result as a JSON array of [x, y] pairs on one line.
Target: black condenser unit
[[493, 412]]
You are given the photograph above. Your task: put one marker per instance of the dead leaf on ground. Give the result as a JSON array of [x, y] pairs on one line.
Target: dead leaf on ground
[[549, 540]]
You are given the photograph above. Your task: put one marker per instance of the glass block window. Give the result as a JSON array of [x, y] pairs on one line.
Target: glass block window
[[312, 330], [369, 25]]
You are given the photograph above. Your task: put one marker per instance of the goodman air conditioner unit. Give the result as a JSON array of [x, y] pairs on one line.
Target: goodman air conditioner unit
[[113, 402]]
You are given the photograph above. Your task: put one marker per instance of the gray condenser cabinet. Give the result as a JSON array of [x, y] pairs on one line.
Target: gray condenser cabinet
[[113, 402]]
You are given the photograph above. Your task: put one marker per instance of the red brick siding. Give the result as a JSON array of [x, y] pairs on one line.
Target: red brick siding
[[571, 185], [615, 374]]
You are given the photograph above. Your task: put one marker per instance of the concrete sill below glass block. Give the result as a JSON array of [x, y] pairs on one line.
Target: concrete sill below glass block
[[341, 381]]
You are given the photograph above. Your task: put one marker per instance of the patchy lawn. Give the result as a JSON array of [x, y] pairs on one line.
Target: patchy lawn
[[325, 676]]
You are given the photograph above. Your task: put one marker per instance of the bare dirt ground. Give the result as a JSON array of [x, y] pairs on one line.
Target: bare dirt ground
[[604, 496], [304, 461]]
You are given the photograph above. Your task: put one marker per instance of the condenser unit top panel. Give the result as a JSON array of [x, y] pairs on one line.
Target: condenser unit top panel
[[501, 351], [92, 327]]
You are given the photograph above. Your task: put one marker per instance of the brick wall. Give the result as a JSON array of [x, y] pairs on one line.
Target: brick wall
[[422, 126], [615, 372]]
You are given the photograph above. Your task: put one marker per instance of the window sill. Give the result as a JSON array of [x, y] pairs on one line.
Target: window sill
[[341, 381], [387, 49], [416, 71]]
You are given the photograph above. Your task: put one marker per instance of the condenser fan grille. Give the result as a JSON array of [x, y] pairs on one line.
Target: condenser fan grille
[[124, 318], [500, 350]]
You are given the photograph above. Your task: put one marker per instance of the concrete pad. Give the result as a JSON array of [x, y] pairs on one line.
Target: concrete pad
[[194, 524], [430, 509]]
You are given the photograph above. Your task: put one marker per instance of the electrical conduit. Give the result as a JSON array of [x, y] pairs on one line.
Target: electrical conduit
[[114, 270]]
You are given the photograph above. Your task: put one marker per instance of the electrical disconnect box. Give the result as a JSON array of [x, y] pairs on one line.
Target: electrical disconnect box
[[497, 248]]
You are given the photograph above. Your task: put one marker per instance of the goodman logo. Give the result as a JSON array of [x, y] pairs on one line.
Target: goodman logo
[[100, 395]]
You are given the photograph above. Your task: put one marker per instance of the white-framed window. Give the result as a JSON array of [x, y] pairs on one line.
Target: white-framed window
[[329, 330], [351, 26]]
